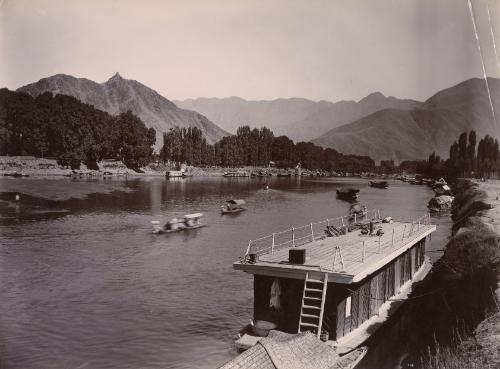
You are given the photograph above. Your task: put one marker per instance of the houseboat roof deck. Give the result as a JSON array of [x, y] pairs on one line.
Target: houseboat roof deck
[[347, 258]]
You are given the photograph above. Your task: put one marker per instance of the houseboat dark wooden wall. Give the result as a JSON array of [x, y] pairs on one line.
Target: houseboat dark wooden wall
[[346, 306]]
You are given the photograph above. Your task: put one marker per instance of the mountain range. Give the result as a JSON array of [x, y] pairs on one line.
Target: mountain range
[[299, 119], [432, 126], [118, 95], [378, 126]]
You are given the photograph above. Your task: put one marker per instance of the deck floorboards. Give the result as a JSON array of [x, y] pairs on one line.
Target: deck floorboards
[[320, 253]]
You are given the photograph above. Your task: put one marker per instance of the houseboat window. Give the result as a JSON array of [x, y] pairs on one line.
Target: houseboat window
[[348, 306]]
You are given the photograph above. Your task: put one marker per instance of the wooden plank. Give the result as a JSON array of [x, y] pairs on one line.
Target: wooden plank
[[354, 309], [340, 319], [397, 275], [373, 296]]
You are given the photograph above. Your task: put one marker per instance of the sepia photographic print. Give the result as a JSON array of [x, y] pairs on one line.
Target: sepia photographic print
[[279, 184]]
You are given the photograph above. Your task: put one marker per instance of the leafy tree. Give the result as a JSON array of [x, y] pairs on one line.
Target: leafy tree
[[63, 127]]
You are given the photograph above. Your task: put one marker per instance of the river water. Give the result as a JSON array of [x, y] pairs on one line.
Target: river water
[[85, 284]]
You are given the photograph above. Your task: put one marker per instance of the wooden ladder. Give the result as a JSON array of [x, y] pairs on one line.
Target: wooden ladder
[[313, 304]]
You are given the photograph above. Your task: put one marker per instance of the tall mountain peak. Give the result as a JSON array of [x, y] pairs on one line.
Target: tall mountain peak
[[374, 96], [116, 77], [118, 95]]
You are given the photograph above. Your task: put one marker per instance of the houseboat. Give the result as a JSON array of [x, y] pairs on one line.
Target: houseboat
[[236, 174], [342, 287]]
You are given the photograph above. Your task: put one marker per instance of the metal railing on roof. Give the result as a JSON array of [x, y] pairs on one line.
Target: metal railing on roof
[[302, 235], [372, 246]]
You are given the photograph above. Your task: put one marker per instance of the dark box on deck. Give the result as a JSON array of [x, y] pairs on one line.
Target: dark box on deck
[[297, 256]]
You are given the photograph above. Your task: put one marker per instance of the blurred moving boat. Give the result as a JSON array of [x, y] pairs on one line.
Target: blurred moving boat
[[379, 184], [186, 222], [233, 206]]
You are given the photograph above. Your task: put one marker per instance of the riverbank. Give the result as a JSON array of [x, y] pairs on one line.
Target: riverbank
[[473, 255], [30, 166]]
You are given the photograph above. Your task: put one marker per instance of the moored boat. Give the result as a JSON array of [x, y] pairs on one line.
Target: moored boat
[[16, 174], [304, 350], [440, 203], [341, 288], [442, 189], [185, 223], [357, 212], [261, 173], [233, 207], [174, 173], [379, 184], [284, 174]]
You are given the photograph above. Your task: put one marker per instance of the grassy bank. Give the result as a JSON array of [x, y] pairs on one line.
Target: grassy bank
[[471, 263]]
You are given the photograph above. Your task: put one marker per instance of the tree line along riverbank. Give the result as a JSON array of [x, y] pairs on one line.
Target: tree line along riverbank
[[75, 133], [79, 136]]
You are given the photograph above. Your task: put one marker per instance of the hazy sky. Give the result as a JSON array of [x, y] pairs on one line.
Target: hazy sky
[[267, 49]]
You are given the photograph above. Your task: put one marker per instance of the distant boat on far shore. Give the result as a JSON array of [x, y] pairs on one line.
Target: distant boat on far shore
[[238, 173], [379, 184]]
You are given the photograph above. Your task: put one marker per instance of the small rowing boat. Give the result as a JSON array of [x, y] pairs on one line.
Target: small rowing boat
[[348, 194], [233, 207]]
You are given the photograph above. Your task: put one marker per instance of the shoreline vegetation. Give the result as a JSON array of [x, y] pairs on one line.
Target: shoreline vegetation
[[469, 270], [79, 136]]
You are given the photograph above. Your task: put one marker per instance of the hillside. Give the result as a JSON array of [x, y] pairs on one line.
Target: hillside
[[299, 119], [118, 95], [414, 134]]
